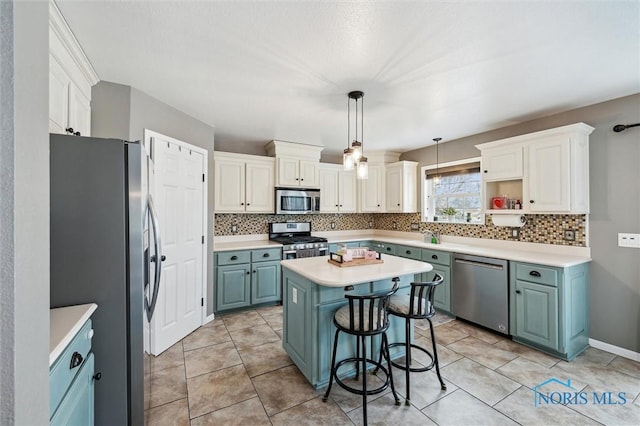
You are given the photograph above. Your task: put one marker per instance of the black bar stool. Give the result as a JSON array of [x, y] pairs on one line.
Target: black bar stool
[[417, 305], [364, 316]]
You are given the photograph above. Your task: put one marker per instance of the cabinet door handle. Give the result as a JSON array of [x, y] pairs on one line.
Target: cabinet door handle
[[340, 205], [76, 360], [248, 272], [242, 204], [234, 258], [398, 204], [254, 271], [486, 171], [336, 205], [435, 256], [532, 201], [266, 255], [518, 292], [297, 179], [97, 376], [302, 179], [388, 248], [378, 205], [248, 204], [535, 274]]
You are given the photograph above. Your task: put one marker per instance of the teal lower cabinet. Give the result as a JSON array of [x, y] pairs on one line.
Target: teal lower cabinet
[[386, 248], [71, 384], [549, 307], [233, 286], [441, 262], [247, 277], [265, 282], [309, 332], [77, 406]]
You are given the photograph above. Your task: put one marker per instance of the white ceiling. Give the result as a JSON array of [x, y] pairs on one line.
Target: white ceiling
[[281, 70]]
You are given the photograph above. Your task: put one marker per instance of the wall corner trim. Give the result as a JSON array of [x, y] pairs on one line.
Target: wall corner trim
[[625, 353]]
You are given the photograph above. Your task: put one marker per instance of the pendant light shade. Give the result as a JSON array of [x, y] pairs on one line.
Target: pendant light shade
[[362, 170], [354, 154], [347, 159]]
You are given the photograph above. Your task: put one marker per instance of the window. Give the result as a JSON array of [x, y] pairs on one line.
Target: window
[[453, 193]]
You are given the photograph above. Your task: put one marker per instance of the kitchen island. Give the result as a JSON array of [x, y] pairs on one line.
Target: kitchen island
[[313, 289]]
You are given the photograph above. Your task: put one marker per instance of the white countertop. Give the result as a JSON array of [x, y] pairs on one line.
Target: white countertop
[[318, 270], [542, 254], [65, 324]]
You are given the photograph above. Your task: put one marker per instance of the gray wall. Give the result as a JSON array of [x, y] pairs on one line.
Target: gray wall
[[614, 174], [24, 213], [124, 112]]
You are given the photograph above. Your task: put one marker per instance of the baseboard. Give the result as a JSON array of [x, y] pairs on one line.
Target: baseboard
[[209, 319], [625, 353]]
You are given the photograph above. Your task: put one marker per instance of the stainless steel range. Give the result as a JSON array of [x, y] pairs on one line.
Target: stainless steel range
[[296, 240]]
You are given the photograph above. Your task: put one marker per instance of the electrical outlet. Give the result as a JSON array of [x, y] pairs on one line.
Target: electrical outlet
[[415, 226], [395, 225], [370, 224], [333, 225], [515, 233], [629, 240], [234, 229], [569, 235]]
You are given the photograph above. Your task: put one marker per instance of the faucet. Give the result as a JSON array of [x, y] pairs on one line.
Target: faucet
[[435, 237]]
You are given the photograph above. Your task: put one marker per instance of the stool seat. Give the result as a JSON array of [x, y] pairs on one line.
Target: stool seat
[[401, 306], [343, 317]]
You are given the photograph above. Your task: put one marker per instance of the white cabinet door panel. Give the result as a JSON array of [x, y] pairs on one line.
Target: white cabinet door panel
[[347, 192], [259, 188], [229, 186], [549, 176]]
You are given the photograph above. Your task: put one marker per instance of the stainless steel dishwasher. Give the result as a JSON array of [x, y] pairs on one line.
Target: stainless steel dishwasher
[[480, 291]]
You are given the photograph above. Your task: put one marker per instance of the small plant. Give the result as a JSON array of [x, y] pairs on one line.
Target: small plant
[[449, 211]]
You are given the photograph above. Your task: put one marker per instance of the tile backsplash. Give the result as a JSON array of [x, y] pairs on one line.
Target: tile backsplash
[[546, 229]]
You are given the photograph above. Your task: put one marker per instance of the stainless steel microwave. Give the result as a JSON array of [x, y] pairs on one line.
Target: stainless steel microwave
[[297, 201]]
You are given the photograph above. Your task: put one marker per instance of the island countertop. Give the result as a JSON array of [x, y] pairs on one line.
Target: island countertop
[[320, 271]]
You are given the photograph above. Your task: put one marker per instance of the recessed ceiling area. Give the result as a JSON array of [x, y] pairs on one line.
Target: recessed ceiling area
[[258, 71]]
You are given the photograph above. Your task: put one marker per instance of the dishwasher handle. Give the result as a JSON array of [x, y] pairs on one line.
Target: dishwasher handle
[[480, 264]]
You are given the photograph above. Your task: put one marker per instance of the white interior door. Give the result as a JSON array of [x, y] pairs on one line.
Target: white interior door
[[179, 193]]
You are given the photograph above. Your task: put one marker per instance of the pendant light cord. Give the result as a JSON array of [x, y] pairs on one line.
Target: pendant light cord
[[362, 126], [348, 123]]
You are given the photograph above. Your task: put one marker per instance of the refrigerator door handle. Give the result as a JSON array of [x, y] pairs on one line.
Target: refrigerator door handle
[[150, 307]]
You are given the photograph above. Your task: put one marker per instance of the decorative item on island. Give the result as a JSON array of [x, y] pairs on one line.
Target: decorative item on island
[[354, 256]]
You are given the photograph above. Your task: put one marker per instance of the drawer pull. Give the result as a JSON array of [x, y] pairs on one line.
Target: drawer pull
[[435, 256], [348, 288], [97, 376], [408, 252], [535, 274], [265, 255], [234, 257], [518, 292], [76, 360], [388, 248]]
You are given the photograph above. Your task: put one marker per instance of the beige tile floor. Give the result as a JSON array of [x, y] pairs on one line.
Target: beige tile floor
[[234, 371]]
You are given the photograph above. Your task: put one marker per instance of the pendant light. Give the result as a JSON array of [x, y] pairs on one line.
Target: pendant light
[[354, 155], [347, 158], [436, 179]]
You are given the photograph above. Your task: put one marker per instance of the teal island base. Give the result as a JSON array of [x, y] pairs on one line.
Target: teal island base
[[308, 330]]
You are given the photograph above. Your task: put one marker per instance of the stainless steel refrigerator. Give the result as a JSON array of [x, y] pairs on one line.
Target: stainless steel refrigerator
[[102, 252]]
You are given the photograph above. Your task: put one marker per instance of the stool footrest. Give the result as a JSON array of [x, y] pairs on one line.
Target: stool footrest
[[373, 391], [413, 369]]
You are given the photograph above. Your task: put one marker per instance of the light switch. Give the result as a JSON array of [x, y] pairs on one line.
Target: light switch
[[294, 295], [628, 240]]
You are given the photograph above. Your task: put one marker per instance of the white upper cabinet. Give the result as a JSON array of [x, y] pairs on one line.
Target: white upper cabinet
[[555, 177], [401, 183], [549, 182], [293, 172], [70, 79], [372, 190], [297, 164], [502, 163], [243, 183], [337, 189]]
